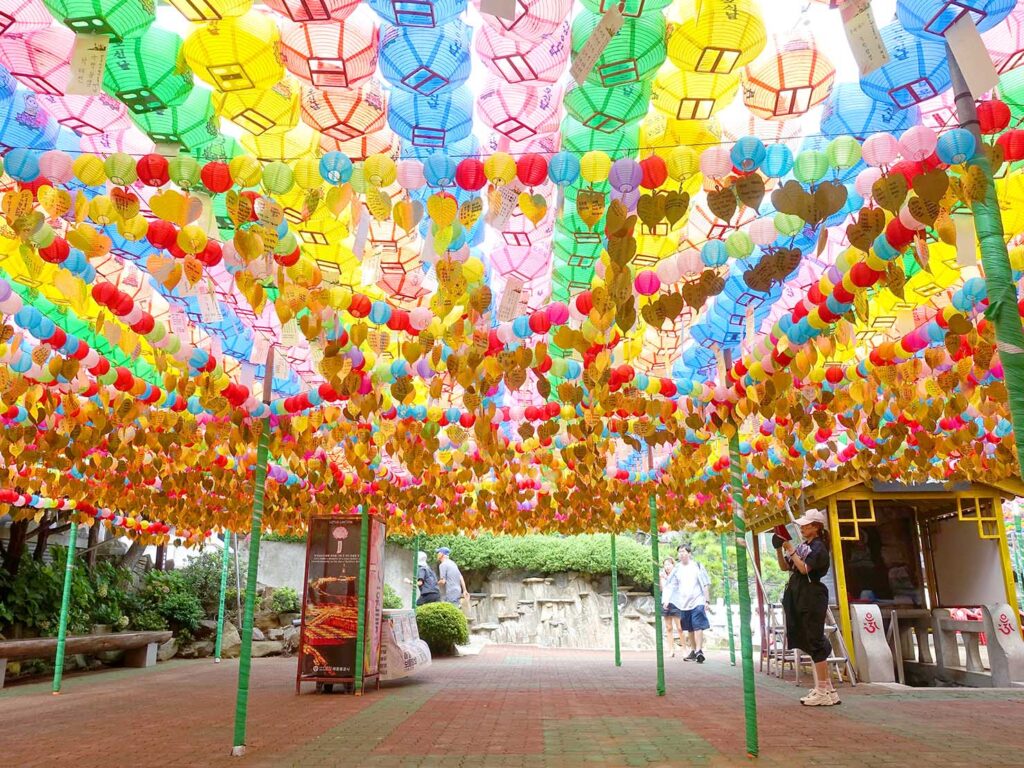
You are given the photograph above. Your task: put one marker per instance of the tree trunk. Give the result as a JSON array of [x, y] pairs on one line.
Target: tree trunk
[[133, 555], [42, 534], [161, 556], [15, 546], [91, 544]]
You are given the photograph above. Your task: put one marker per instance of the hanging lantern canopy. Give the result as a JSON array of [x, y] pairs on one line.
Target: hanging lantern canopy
[[87, 115], [634, 54], [39, 60], [274, 110], [21, 17], [143, 72], [236, 54], [287, 147], [608, 109], [210, 10], [188, 124], [932, 19], [917, 70], [796, 79], [521, 61], [693, 95], [720, 39], [336, 54], [345, 114], [434, 121], [848, 111], [39, 132], [121, 19], [313, 10], [519, 112], [425, 61], [420, 13], [533, 20]]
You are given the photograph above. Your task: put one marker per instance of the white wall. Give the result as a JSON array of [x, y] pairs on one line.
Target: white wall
[[967, 568]]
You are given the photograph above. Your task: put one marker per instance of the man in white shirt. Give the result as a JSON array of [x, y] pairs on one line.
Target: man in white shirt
[[687, 589]]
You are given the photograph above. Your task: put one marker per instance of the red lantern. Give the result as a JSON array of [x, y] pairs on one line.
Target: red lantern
[[862, 275], [145, 324], [539, 322], [898, 235], [104, 293], [287, 259], [1012, 143], [469, 174], [216, 176], [584, 303], [211, 254], [532, 169], [993, 116], [56, 252], [359, 306], [152, 170], [161, 234], [654, 170]]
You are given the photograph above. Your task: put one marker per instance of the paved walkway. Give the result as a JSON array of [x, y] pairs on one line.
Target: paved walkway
[[506, 708]]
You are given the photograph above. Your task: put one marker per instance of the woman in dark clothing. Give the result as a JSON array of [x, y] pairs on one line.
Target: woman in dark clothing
[[427, 581], [805, 601]]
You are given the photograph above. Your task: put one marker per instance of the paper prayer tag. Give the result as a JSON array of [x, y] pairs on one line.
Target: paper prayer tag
[[510, 299], [972, 56], [585, 60], [88, 62], [866, 43], [503, 9]]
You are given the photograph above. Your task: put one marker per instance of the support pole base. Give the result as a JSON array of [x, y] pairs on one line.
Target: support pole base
[[216, 661], [238, 751]]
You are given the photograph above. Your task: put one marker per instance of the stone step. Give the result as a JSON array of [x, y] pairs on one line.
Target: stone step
[[555, 600], [483, 627], [508, 617], [497, 596]]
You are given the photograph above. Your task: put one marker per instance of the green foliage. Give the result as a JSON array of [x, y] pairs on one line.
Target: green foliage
[[202, 577], [442, 626], [585, 553], [289, 538], [285, 600], [166, 601], [391, 599]]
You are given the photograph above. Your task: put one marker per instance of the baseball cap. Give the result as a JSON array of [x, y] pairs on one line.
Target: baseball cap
[[443, 551], [811, 516]]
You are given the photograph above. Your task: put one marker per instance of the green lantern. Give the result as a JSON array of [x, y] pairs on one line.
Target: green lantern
[[738, 245], [634, 54], [220, 147], [787, 224], [143, 73], [120, 169], [810, 166], [184, 171], [843, 152], [278, 177], [608, 109], [579, 139], [188, 124], [121, 19]]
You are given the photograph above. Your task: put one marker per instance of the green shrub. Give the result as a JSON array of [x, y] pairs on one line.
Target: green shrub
[[202, 576], [166, 598], [391, 599], [585, 553], [285, 600], [442, 626]]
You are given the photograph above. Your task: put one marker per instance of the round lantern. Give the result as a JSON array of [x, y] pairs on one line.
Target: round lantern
[[188, 124], [422, 13], [523, 61], [608, 109], [21, 17], [523, 262], [533, 20], [693, 95], [274, 110], [469, 174], [425, 61], [848, 111], [345, 114], [993, 116], [313, 10], [931, 19], [917, 70], [580, 139], [720, 39], [519, 112], [336, 54], [143, 72], [796, 79], [634, 54], [431, 121], [236, 54], [117, 18]]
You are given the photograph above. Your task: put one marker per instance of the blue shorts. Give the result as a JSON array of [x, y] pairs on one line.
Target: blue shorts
[[670, 610], [695, 620]]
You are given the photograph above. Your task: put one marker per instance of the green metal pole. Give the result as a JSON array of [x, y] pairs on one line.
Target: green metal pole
[[65, 608], [743, 588], [364, 539], [728, 598], [659, 645], [415, 570], [225, 561], [615, 604], [255, 532], [1018, 548]]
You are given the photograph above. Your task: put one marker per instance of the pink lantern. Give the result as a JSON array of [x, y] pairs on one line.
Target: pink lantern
[[522, 262], [917, 143], [87, 115], [522, 61], [907, 220], [383, 142], [668, 271], [533, 20], [865, 181], [40, 60], [410, 175], [404, 288], [647, 283], [57, 166], [715, 162], [313, 10], [787, 85], [131, 141], [762, 231], [1005, 42], [880, 149], [520, 112], [21, 17], [332, 54], [344, 114]]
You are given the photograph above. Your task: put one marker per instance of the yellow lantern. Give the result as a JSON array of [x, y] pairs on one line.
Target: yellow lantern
[[300, 141], [380, 170], [246, 170], [236, 54], [307, 173], [500, 168], [720, 39], [89, 170], [594, 166], [274, 110], [210, 10], [693, 95]]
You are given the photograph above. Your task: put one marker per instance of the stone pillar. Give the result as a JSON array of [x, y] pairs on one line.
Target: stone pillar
[[872, 651], [1005, 647]]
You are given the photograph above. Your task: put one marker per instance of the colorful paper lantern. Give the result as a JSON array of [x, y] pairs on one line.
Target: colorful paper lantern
[[39, 60], [121, 19], [933, 18], [916, 72], [21, 17], [25, 124], [274, 110], [421, 13], [608, 109], [236, 54], [313, 10], [432, 121], [848, 111], [720, 39], [345, 114], [523, 61], [693, 95], [532, 20], [187, 124], [87, 115], [143, 72], [796, 79], [519, 112], [334, 54], [425, 61], [634, 54]]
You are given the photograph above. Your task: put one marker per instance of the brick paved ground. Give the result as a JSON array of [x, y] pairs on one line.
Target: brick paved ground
[[507, 708]]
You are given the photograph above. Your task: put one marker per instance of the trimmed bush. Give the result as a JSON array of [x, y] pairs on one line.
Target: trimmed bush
[[391, 599], [285, 600], [442, 626]]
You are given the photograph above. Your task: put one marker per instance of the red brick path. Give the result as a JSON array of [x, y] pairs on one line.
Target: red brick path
[[507, 708]]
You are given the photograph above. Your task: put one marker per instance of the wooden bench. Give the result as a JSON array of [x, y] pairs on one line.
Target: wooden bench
[[140, 647]]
